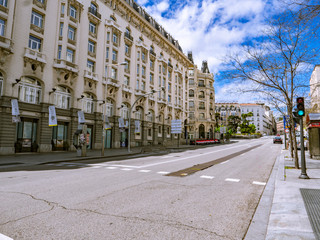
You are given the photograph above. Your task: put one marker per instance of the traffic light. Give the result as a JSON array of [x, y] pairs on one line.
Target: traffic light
[[300, 106]]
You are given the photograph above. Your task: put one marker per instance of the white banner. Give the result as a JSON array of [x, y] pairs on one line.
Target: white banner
[[137, 126], [81, 118], [52, 116], [15, 107]]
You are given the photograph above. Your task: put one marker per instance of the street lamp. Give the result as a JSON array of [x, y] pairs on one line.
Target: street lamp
[[104, 109], [130, 110]]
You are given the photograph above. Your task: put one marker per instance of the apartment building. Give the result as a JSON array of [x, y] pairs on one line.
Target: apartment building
[[315, 89], [262, 117], [103, 58], [224, 110], [201, 95]]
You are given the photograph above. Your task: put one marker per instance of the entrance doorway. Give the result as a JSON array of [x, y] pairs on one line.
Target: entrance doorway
[[108, 140], [124, 138], [201, 131], [27, 135], [89, 136], [59, 137]]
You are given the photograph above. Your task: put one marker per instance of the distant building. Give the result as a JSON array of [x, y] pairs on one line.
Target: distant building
[[201, 95], [224, 110], [315, 89], [280, 127], [262, 117]]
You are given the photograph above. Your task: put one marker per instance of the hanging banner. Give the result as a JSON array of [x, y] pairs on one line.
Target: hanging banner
[[15, 107], [106, 123], [176, 126], [81, 119], [121, 123], [16, 119], [137, 126], [52, 116]]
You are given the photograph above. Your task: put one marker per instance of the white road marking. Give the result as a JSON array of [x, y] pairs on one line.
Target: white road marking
[[111, 168], [166, 156], [163, 173], [126, 169], [224, 162], [242, 154], [145, 171], [4, 237], [259, 183], [207, 177], [96, 166], [232, 180]]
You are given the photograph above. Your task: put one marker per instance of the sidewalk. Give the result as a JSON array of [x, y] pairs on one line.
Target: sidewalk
[[283, 215]]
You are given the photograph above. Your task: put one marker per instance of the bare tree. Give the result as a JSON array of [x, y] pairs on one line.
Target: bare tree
[[277, 63]]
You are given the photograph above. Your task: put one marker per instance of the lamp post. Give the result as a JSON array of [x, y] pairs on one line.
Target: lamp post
[[104, 109], [130, 110]]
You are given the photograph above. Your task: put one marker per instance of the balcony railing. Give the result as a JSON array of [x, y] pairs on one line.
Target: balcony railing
[[201, 85], [6, 43], [126, 88], [94, 12], [90, 75], [63, 64], [35, 55], [202, 107]]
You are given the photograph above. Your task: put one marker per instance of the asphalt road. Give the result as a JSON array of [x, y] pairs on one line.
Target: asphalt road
[[134, 199]]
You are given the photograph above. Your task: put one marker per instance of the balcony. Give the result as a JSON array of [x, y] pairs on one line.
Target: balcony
[[63, 64], [201, 85], [161, 100], [40, 4], [139, 92], [202, 107], [111, 82], [128, 36], [4, 9], [94, 12], [177, 70], [126, 88], [90, 75], [35, 55], [6, 44]]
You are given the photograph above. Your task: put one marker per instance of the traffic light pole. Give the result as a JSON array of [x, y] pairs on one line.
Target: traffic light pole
[[303, 159]]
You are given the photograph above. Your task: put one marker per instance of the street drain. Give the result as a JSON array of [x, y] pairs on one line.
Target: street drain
[[311, 198], [202, 166]]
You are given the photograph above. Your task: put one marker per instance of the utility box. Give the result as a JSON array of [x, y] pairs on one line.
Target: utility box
[[313, 124]]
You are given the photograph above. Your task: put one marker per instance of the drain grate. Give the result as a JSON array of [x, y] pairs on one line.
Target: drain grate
[[311, 198], [200, 167]]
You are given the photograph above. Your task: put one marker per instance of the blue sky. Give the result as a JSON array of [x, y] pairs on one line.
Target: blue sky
[[213, 28]]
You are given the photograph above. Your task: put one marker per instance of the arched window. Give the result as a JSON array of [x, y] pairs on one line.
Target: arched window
[[124, 111], [138, 114], [62, 97], [150, 115], [191, 93], [1, 83], [29, 90], [88, 103], [109, 108], [201, 94]]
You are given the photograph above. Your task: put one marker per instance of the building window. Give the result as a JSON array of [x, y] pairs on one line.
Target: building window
[[4, 3], [62, 97], [137, 84], [126, 81], [191, 81], [151, 65], [191, 104], [90, 66], [109, 108], [143, 71], [34, 43], [61, 30], [151, 78], [1, 83], [29, 91], [143, 56], [62, 8], [138, 69], [37, 19], [169, 87], [59, 51], [124, 112], [143, 86], [92, 27], [114, 56], [115, 38], [91, 46], [107, 53], [88, 103], [71, 33], [127, 49], [169, 98], [201, 116], [73, 12], [113, 73], [2, 27], [70, 55]]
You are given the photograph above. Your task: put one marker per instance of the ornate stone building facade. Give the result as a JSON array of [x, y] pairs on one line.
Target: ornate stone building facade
[[224, 110], [95, 56], [201, 95], [315, 89]]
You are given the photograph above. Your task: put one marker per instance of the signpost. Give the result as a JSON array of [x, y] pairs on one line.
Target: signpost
[[176, 128]]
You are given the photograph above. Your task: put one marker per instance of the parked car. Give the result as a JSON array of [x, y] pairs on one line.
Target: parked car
[[277, 140]]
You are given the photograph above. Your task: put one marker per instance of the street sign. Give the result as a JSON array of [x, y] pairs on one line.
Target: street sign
[[176, 126], [223, 129]]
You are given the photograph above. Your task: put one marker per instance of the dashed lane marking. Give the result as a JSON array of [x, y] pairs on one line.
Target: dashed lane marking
[[126, 169], [259, 183], [207, 177], [144, 171], [232, 180], [111, 168], [224, 162], [163, 172]]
